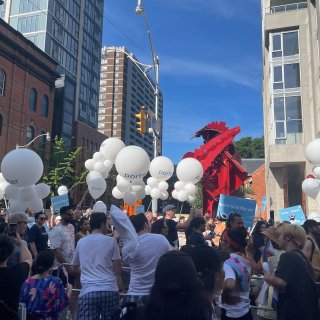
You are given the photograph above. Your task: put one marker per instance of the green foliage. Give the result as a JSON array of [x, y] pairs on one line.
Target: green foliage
[[61, 169], [245, 191], [250, 148], [197, 204]]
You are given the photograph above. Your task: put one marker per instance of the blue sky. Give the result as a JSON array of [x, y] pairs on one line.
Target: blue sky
[[210, 62]]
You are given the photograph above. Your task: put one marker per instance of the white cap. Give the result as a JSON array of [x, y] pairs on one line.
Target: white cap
[[58, 218]]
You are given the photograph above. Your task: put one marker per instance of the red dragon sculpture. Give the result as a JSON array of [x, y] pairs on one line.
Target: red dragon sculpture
[[222, 172]]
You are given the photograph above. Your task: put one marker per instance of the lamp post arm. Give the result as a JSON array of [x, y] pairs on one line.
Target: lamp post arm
[[40, 135]]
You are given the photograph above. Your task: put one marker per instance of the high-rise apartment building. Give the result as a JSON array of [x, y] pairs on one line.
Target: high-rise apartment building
[[291, 97], [70, 31], [124, 89]]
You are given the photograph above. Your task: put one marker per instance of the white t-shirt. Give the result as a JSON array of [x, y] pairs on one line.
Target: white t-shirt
[[63, 238], [241, 308], [143, 265], [95, 254]]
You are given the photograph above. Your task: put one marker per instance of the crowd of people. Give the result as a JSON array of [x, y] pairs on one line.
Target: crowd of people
[[197, 268]]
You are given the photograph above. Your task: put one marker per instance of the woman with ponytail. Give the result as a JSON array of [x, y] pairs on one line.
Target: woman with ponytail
[[43, 294]]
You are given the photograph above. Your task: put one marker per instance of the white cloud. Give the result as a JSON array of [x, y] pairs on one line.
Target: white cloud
[[245, 75]]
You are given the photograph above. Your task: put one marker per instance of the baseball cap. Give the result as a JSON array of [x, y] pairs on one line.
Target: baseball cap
[[168, 207], [18, 217]]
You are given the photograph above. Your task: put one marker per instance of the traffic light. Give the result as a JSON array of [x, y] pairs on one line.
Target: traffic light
[[142, 122]]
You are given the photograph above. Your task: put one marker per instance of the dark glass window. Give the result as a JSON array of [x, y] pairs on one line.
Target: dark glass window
[[30, 134], [2, 82], [45, 106], [33, 100]]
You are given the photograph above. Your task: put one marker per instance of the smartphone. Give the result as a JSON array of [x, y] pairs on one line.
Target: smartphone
[[12, 230]]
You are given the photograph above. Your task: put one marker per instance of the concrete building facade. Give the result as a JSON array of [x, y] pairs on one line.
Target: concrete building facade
[[291, 97], [27, 80], [71, 33], [124, 89]]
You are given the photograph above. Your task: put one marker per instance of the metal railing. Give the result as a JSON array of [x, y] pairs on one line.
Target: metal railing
[[289, 7]]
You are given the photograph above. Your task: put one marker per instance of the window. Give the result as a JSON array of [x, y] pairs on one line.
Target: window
[[33, 100], [285, 44], [286, 76], [43, 139], [288, 119], [2, 82], [45, 106], [30, 134]]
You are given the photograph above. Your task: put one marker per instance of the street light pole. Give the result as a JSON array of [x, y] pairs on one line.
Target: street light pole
[[40, 135], [155, 60]]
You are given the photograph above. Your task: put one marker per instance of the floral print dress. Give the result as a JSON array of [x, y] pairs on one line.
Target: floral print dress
[[44, 298]]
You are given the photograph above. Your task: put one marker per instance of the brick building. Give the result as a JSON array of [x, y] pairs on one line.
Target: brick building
[[27, 81], [256, 181]]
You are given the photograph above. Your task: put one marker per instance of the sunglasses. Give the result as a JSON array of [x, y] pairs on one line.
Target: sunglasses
[[42, 218]]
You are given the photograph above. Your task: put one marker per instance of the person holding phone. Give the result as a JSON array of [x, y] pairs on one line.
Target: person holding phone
[[12, 277]]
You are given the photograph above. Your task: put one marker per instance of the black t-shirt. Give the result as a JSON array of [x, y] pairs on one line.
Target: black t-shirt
[[172, 232], [258, 242], [298, 300], [39, 236], [11, 280], [196, 239]]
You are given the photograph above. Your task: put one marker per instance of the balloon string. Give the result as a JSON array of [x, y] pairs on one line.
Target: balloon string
[[149, 206], [181, 210], [80, 203]]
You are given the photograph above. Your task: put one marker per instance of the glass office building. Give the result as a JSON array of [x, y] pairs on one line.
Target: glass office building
[[70, 31]]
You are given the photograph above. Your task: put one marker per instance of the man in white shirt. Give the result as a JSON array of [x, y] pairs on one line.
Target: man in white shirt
[[62, 241], [143, 264], [99, 260]]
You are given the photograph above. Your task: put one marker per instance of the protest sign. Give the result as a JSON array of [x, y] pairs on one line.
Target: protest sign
[[140, 209], [294, 215], [58, 202], [245, 207]]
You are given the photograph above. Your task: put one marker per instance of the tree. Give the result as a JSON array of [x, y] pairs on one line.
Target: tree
[[197, 203], [249, 147], [62, 165]]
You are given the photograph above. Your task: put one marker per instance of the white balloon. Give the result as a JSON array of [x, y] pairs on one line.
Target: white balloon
[[117, 194], [11, 191], [164, 196], [119, 178], [42, 190], [22, 167], [155, 193], [161, 168], [312, 152], [316, 171], [182, 196], [98, 157], [96, 184], [140, 194], [105, 174], [130, 198], [174, 194], [99, 206], [191, 189], [189, 170], [147, 190], [123, 186], [35, 204], [192, 198], [111, 147], [108, 164], [89, 164], [2, 179], [137, 187], [98, 166], [179, 185], [3, 185], [132, 163], [28, 193], [152, 182], [163, 186], [17, 205], [62, 190], [311, 187]]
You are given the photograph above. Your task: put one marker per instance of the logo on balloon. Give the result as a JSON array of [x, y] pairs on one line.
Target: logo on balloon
[[12, 181], [165, 173], [134, 176]]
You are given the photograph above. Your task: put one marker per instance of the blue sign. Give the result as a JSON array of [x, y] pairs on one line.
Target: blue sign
[[263, 204], [140, 209], [245, 207], [295, 215], [58, 202]]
